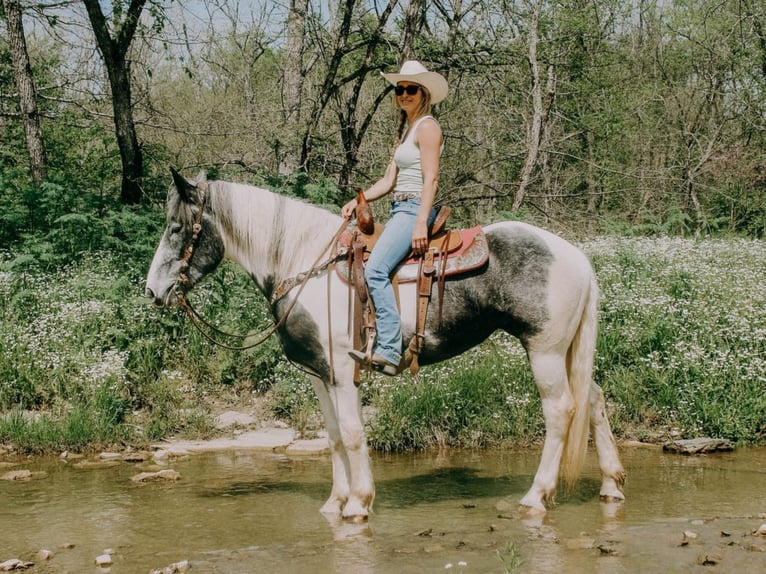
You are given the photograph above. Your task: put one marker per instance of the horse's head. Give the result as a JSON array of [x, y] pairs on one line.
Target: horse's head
[[191, 246]]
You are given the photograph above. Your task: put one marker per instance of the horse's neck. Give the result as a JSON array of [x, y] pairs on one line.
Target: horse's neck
[[271, 236]]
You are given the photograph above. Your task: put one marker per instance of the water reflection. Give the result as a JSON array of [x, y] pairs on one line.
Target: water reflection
[[231, 511], [445, 484]]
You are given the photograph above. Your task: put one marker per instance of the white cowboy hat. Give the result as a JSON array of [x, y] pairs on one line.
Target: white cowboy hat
[[415, 72]]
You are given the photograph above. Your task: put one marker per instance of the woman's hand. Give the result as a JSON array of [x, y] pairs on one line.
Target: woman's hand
[[348, 210], [420, 238]]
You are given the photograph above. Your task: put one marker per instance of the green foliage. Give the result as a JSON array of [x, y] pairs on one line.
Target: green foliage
[[484, 397], [59, 228], [80, 344], [293, 399], [322, 192], [681, 342], [680, 351], [511, 558], [79, 428]]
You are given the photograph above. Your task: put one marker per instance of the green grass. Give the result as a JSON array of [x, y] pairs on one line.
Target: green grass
[[682, 345], [80, 345], [482, 398], [681, 350], [79, 429]]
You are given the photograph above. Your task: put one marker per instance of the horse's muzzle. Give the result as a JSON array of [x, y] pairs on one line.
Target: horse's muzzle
[[159, 300]]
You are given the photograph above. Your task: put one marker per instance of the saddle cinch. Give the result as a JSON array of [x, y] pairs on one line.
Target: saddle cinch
[[450, 252]]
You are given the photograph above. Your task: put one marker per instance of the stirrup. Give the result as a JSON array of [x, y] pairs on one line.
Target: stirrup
[[374, 362]]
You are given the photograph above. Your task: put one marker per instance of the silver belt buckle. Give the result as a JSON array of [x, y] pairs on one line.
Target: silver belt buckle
[[405, 195]]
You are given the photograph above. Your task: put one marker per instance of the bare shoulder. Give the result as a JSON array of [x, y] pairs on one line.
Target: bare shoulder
[[429, 131]]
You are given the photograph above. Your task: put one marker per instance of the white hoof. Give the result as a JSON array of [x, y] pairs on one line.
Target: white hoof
[[610, 492], [355, 511], [531, 511], [531, 505], [331, 507], [536, 498]]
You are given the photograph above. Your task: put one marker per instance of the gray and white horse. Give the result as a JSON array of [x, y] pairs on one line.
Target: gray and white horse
[[535, 286]]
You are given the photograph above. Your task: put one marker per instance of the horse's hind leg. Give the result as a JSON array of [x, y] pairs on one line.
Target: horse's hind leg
[[612, 472], [558, 407]]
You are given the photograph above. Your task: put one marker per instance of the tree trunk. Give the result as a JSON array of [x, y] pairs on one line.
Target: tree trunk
[[339, 43], [414, 17], [342, 84], [533, 135], [292, 87], [760, 33], [30, 116], [546, 139], [114, 53]]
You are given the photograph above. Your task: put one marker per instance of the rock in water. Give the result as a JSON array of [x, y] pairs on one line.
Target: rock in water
[[168, 474], [17, 475], [15, 564], [175, 568], [701, 445], [23, 475]]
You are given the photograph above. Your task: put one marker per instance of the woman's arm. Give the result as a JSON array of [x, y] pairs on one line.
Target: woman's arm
[[429, 139], [377, 190]]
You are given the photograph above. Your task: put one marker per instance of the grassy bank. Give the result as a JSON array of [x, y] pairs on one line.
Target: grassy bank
[[681, 353], [85, 361]]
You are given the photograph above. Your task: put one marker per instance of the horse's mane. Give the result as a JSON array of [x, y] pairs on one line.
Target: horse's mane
[[260, 223]]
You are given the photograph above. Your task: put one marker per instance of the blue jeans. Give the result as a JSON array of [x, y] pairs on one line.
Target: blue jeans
[[394, 244]]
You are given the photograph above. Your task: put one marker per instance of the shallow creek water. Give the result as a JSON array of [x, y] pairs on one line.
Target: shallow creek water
[[242, 512]]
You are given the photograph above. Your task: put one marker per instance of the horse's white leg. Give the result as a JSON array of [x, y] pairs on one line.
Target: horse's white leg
[[362, 485], [558, 407], [340, 467], [612, 472]]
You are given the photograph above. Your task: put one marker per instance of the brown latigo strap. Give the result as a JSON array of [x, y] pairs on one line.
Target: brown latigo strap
[[441, 280], [425, 280], [363, 323], [440, 220], [357, 269]]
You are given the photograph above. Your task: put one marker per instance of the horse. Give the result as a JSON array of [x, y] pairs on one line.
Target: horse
[[535, 286]]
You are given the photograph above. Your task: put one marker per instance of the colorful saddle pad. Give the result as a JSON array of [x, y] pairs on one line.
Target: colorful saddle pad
[[469, 253]]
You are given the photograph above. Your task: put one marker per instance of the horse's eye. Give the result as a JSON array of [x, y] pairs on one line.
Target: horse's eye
[[175, 228]]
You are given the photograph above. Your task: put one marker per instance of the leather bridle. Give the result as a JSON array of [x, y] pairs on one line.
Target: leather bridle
[[282, 289]]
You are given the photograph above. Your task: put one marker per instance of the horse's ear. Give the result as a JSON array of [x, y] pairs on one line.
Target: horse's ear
[[201, 176], [185, 188]]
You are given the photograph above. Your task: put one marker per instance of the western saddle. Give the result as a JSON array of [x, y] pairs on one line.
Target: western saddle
[[449, 252]]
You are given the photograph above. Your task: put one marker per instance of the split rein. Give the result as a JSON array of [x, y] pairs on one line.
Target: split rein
[[282, 289]]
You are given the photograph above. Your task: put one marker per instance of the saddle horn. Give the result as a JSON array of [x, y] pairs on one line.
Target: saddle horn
[[364, 218]]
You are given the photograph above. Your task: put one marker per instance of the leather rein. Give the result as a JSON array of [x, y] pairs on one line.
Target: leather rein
[[282, 289]]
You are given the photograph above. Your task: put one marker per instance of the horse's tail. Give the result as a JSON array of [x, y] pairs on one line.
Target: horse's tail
[[580, 358]]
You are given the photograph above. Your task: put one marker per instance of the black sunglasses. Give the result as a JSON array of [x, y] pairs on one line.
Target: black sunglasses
[[411, 90]]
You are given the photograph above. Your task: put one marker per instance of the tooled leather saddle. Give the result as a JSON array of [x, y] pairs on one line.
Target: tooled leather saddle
[[450, 253]]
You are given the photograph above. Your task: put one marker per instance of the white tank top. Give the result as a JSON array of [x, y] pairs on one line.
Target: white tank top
[[407, 157]]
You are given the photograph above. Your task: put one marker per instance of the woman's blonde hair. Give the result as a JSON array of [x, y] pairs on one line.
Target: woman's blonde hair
[[424, 109]]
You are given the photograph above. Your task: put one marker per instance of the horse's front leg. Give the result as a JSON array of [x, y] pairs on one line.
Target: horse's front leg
[[353, 487], [340, 466], [349, 411]]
